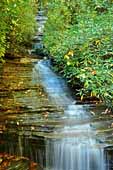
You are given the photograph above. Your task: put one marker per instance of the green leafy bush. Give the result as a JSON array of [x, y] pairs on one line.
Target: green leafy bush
[[17, 24], [79, 36]]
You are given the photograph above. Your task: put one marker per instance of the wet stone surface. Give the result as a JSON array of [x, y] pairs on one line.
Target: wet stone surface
[[16, 163], [24, 106], [40, 121], [28, 117]]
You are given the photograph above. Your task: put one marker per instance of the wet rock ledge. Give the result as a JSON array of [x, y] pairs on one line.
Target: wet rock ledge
[[16, 163]]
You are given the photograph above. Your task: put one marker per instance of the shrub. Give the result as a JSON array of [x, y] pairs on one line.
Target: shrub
[[79, 36], [17, 24]]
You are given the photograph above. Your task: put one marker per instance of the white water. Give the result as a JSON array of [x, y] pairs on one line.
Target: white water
[[74, 154], [81, 151]]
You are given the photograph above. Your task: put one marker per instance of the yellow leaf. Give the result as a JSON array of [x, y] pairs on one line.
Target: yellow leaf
[[71, 53], [93, 93], [82, 97], [97, 42], [66, 57]]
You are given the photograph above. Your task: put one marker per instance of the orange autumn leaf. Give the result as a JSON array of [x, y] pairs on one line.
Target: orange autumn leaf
[[93, 72]]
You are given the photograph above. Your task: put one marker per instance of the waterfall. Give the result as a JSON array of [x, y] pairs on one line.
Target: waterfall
[[80, 150], [74, 154], [53, 84]]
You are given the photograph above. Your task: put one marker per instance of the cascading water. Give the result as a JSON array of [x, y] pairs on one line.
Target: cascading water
[[77, 147], [74, 154], [52, 129], [53, 84]]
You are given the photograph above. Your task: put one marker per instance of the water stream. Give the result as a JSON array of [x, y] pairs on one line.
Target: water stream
[[40, 120], [79, 149]]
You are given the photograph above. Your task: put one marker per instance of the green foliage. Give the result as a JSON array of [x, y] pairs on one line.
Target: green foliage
[[79, 36], [17, 23]]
